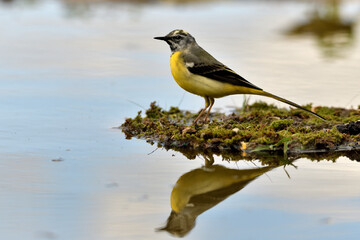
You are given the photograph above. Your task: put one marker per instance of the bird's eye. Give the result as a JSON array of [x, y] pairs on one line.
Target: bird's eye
[[177, 37]]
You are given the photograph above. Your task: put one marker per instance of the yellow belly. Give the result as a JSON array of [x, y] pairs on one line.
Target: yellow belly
[[202, 86]]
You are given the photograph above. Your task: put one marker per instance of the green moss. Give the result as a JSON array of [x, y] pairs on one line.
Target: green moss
[[321, 139], [154, 111], [260, 126], [260, 105], [174, 110], [281, 124]]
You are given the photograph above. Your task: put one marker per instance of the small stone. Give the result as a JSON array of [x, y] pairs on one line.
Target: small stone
[[352, 128], [236, 130], [314, 108], [188, 130]]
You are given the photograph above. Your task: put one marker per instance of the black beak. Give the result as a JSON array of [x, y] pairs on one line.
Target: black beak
[[161, 38]]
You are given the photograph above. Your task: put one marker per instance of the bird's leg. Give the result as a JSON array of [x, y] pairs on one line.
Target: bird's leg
[[212, 101], [209, 160], [198, 117], [207, 103]]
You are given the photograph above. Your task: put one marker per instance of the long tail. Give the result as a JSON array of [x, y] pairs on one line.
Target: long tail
[[290, 103]]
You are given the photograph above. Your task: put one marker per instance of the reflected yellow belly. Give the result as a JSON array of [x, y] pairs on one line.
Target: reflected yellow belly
[[199, 85]]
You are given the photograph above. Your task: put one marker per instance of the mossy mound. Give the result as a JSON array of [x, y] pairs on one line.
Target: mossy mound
[[258, 129]]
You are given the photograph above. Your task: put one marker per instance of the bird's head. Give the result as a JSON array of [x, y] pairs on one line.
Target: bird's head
[[178, 40]]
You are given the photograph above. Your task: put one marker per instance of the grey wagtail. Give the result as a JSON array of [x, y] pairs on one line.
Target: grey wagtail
[[196, 71]]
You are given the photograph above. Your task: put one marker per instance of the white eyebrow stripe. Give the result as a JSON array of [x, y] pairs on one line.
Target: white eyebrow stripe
[[189, 64]]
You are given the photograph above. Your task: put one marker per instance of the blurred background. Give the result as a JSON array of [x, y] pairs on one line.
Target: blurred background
[[71, 70]]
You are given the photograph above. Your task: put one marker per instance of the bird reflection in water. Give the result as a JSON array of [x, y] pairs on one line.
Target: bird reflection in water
[[201, 189]]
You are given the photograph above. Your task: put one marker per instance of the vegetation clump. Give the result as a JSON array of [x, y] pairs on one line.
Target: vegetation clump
[[256, 129]]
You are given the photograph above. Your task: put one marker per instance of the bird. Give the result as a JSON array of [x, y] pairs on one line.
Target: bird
[[198, 72]]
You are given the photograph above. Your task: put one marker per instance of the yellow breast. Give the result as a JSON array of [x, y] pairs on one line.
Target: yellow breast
[[180, 73]]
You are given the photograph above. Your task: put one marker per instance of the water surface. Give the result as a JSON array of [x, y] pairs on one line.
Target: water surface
[[73, 70]]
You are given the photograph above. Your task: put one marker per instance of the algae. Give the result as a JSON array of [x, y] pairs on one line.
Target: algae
[[255, 130]]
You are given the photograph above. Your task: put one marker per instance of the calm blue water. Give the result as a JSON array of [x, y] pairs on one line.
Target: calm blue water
[[70, 71]]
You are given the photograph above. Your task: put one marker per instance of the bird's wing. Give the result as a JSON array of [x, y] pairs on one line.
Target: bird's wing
[[220, 73]]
